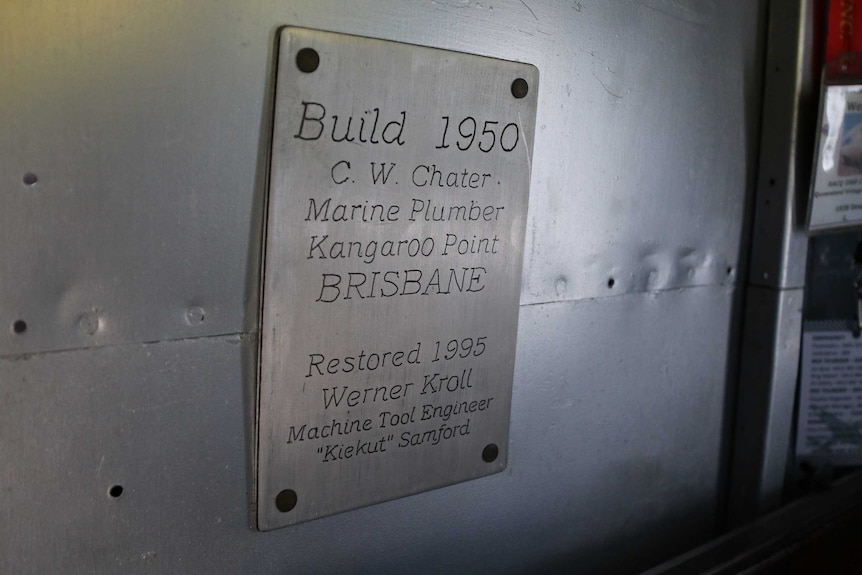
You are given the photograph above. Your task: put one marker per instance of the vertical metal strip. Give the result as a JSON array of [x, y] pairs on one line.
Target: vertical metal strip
[[773, 308]]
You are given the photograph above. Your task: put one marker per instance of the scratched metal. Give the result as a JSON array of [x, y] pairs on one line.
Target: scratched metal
[[394, 244], [147, 129], [593, 470]]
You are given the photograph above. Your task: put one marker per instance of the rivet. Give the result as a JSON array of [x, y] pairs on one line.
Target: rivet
[[195, 315], [89, 322]]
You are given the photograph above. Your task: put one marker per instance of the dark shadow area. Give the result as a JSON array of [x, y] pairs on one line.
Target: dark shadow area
[[635, 550], [753, 90]]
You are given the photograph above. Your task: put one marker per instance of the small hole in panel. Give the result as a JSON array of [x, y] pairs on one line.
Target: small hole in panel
[[30, 179], [115, 491], [307, 60], [611, 282], [19, 326], [286, 500]]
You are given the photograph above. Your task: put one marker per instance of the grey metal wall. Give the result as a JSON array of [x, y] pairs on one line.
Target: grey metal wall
[[133, 262]]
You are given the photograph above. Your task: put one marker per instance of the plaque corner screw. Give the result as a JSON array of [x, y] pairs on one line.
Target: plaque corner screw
[[285, 500], [307, 60], [520, 88]]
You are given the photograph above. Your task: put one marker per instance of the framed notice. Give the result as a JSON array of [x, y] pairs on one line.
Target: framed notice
[[397, 206], [836, 194]]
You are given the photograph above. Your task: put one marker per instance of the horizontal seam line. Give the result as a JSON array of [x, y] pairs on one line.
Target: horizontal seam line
[[29, 354], [26, 354], [629, 293]]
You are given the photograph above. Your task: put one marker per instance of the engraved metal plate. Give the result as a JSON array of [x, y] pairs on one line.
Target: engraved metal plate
[[394, 245]]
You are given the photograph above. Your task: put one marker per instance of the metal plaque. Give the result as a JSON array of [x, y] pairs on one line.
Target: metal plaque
[[395, 230]]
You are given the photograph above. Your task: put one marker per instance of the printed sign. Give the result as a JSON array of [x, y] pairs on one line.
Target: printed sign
[[836, 197], [830, 399]]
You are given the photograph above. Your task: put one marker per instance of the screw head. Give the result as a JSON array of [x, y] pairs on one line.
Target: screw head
[[520, 88], [490, 453], [286, 500], [307, 60]]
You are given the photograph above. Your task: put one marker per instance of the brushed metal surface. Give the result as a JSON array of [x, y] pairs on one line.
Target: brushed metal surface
[[147, 128], [609, 474], [395, 236]]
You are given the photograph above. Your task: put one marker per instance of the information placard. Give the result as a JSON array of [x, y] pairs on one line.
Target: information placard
[[397, 207], [830, 396], [836, 194]]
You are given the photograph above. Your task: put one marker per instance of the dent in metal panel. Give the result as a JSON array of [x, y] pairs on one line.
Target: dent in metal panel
[[142, 130], [634, 110]]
